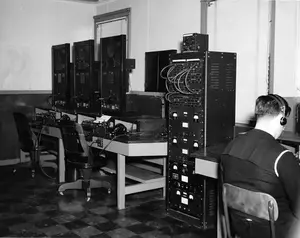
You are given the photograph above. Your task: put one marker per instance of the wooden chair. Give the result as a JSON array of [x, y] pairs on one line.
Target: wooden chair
[[254, 204]]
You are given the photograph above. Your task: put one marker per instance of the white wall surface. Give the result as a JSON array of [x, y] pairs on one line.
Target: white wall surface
[[155, 25], [286, 77], [241, 26], [28, 29]]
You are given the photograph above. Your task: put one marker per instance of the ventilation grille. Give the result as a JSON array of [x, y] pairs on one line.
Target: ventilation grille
[[230, 76], [212, 197], [215, 76]]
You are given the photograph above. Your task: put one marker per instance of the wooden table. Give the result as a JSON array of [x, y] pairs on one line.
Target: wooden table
[[146, 180], [291, 139], [137, 149], [287, 137]]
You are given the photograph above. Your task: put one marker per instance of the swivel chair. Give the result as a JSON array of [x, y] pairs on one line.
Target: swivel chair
[[39, 157], [79, 158], [250, 204]]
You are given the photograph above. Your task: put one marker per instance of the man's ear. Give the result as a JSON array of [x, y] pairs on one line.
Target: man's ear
[[279, 116]]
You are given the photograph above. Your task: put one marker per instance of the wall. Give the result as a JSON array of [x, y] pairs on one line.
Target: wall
[[287, 40], [155, 25], [10, 103], [287, 55], [28, 29], [239, 26], [242, 26]]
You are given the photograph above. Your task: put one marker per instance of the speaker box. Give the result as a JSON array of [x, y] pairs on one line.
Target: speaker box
[[61, 88], [85, 78], [155, 61], [114, 77]]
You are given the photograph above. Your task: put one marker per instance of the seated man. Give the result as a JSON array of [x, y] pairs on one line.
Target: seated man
[[256, 161]]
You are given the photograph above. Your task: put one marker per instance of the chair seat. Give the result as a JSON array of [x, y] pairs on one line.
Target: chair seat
[[27, 150], [76, 158], [42, 148], [99, 162], [80, 161]]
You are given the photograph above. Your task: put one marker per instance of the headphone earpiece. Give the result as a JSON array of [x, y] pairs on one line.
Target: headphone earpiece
[[283, 121], [282, 106], [119, 129]]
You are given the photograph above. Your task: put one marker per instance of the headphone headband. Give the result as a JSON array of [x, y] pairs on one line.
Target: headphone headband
[[280, 102], [282, 106]]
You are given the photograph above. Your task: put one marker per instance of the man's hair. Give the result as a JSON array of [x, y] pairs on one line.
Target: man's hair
[[271, 105]]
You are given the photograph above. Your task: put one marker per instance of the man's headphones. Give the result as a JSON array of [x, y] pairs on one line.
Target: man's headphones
[[282, 106]]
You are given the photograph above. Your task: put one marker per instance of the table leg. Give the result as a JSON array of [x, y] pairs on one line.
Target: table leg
[[61, 162], [121, 181], [22, 157], [219, 227]]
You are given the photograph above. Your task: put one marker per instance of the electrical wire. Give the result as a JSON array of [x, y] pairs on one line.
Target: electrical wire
[[37, 147], [177, 80], [50, 99], [161, 72], [183, 91], [186, 81]]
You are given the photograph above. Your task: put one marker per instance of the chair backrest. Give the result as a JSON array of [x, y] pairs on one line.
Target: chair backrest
[[249, 202], [73, 138], [24, 132], [255, 204]]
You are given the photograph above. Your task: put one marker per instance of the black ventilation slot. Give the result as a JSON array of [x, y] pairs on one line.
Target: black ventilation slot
[[214, 76], [230, 77]]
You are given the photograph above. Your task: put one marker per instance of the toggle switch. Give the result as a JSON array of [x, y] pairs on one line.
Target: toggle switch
[[174, 115], [196, 118], [196, 144], [174, 141], [184, 168]]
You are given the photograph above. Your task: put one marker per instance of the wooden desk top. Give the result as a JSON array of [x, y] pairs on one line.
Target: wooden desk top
[[211, 154], [142, 148], [289, 137], [131, 149]]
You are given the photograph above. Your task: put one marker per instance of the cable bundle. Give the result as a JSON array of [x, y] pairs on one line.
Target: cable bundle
[[184, 81]]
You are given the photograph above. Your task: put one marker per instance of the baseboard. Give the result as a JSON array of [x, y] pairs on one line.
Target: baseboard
[[9, 92], [7, 162]]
